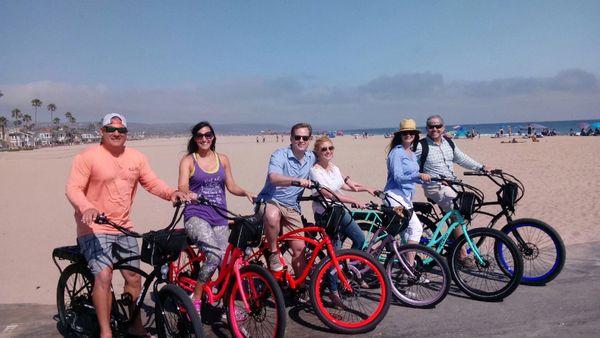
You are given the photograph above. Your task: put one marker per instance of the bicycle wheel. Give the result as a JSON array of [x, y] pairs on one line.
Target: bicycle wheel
[[425, 283], [362, 307], [267, 315], [76, 311], [542, 248], [175, 314], [488, 280]]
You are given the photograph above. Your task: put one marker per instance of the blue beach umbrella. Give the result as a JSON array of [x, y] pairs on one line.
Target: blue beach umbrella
[[595, 124]]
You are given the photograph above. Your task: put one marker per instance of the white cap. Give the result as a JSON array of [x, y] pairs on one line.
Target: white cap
[[106, 120]]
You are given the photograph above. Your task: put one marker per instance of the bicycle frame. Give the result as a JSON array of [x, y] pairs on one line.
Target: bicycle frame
[[438, 240], [230, 266], [319, 245]]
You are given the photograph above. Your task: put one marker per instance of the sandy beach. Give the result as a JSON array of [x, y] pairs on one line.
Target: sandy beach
[[558, 172]]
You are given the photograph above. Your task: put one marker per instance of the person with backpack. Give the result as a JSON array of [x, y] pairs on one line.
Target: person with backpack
[[436, 155]]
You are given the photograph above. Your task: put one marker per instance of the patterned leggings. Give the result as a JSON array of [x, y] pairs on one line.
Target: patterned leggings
[[212, 240]]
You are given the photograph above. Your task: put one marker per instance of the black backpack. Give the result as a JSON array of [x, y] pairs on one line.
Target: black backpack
[[425, 150]]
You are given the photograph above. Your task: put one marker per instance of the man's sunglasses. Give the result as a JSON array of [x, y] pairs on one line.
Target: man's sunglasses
[[304, 138], [208, 136], [121, 130], [330, 148], [436, 126]]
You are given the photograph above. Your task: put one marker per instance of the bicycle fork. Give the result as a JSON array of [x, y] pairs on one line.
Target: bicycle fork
[[238, 279]]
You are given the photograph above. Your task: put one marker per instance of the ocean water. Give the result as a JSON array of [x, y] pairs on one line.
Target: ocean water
[[562, 127]]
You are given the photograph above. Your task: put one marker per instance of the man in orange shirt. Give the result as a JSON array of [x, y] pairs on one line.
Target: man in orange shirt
[[104, 179]]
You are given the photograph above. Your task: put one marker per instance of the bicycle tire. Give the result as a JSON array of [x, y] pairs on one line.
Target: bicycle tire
[[352, 262], [172, 300], [427, 284], [486, 274], [263, 292], [542, 244], [77, 315]]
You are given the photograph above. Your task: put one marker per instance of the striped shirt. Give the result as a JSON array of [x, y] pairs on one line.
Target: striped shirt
[[441, 158]]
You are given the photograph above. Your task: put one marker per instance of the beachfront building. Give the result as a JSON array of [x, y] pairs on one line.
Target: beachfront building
[[90, 137], [43, 137], [21, 139]]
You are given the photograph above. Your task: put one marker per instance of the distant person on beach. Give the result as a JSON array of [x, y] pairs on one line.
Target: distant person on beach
[[287, 165], [263, 139], [436, 155], [514, 140], [509, 131], [402, 176], [501, 132], [257, 141], [104, 179], [330, 176], [204, 172]]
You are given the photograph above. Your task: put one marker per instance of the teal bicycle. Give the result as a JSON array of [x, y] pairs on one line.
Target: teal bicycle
[[419, 276], [496, 264]]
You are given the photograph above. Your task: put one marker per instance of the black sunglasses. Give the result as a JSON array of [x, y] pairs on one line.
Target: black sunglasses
[[208, 136], [330, 148], [437, 126], [404, 133], [304, 138], [121, 130]]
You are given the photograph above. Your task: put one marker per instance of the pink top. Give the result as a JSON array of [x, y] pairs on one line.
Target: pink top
[[100, 180]]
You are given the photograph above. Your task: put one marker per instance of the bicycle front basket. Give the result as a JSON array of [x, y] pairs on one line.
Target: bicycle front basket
[[246, 231], [162, 246], [508, 195], [331, 219], [466, 202], [395, 219]]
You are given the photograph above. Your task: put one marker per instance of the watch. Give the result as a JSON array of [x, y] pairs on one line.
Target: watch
[[346, 179]]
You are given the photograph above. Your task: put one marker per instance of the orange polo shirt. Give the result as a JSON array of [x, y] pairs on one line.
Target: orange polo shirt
[[100, 180]]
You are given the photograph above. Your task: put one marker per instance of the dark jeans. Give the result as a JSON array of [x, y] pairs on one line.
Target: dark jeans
[[350, 230]]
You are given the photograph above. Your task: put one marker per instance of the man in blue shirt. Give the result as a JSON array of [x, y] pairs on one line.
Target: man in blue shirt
[[287, 165]]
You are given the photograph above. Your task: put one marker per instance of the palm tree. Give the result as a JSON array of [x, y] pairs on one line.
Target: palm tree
[[16, 114], [51, 108], [36, 103], [3, 123], [27, 120], [56, 122]]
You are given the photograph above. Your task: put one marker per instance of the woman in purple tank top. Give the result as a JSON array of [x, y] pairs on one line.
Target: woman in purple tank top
[[204, 172]]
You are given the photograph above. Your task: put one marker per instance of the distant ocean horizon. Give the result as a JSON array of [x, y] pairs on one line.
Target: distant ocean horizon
[[561, 127]]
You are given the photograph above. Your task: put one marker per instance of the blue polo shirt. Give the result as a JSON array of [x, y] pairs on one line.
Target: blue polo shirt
[[285, 163]]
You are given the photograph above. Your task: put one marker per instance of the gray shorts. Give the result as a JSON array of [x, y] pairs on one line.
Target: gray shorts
[[103, 250]]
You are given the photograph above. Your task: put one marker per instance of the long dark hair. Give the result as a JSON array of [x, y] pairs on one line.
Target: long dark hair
[[397, 139], [192, 146]]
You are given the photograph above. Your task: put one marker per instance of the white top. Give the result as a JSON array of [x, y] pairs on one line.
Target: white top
[[332, 179]]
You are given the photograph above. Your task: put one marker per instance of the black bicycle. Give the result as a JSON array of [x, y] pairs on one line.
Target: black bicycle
[[174, 312], [541, 246]]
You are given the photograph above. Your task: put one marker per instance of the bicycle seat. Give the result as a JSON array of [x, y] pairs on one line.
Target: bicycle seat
[[70, 253], [423, 207]]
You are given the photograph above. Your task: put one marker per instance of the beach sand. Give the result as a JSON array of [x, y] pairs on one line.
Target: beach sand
[[559, 173]]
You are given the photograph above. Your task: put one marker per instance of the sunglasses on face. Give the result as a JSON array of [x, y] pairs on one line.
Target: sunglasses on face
[[208, 136], [121, 130], [298, 138], [330, 148], [435, 126], [407, 134]]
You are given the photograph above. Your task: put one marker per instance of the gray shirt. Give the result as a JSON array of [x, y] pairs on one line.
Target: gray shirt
[[441, 158]]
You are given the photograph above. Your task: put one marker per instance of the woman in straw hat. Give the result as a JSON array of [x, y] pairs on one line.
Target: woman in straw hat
[[403, 173]]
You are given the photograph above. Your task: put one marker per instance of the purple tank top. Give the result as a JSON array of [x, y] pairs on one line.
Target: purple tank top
[[212, 187]]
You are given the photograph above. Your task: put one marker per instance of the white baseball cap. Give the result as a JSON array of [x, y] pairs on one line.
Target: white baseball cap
[[106, 120]]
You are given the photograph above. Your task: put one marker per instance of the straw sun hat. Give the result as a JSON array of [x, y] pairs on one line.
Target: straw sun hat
[[408, 125]]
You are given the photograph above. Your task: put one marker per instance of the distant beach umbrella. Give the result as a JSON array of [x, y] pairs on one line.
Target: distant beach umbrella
[[457, 127], [595, 124], [583, 125]]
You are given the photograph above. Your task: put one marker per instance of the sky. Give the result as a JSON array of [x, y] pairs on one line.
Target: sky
[[331, 63]]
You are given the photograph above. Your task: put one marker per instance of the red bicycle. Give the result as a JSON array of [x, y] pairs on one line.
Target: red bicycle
[[252, 298], [363, 287]]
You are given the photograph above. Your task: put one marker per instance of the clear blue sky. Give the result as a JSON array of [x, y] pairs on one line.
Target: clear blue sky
[[201, 51]]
